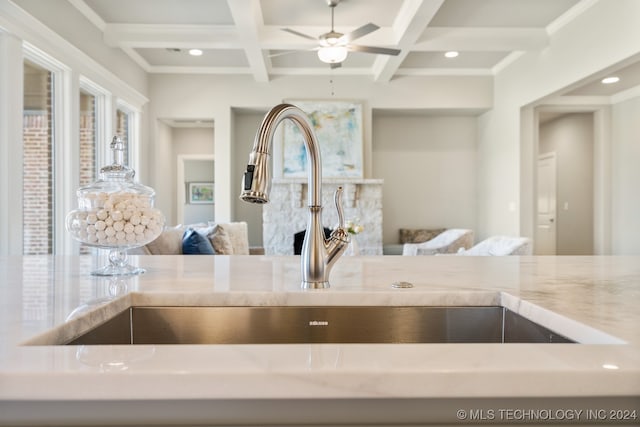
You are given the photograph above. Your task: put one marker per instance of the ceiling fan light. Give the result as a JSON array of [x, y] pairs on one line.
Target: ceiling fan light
[[331, 41], [332, 54]]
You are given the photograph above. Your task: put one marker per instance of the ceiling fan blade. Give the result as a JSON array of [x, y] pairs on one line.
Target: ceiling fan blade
[[358, 32], [287, 52], [374, 49], [281, 53], [299, 34]]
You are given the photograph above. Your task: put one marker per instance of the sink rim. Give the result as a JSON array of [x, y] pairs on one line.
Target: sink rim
[[577, 331], [215, 325]]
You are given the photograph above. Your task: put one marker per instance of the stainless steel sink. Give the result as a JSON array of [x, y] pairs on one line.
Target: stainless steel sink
[[333, 324]]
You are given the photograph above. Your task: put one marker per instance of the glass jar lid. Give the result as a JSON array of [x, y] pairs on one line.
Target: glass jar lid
[[113, 178]]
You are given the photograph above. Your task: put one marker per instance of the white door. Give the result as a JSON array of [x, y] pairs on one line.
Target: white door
[[546, 215]]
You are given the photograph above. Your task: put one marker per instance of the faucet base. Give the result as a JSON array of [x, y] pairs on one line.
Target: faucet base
[[315, 285]]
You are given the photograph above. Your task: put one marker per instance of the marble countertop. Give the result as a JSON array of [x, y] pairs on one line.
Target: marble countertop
[[595, 300]]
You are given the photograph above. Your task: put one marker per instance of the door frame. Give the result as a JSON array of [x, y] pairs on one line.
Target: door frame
[[545, 156], [602, 170], [181, 193]]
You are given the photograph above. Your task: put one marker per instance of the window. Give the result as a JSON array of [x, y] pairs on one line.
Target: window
[[38, 144], [88, 138], [123, 131], [128, 128]]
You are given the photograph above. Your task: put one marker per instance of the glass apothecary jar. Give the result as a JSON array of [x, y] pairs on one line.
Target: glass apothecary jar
[[116, 213]]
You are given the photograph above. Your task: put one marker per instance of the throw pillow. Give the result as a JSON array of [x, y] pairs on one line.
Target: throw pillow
[[239, 235], [194, 243], [168, 243], [409, 235], [220, 241]]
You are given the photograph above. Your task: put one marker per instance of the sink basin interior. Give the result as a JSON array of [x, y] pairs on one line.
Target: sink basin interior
[[326, 324]]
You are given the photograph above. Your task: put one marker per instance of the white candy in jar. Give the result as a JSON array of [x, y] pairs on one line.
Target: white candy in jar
[[117, 215], [120, 218]]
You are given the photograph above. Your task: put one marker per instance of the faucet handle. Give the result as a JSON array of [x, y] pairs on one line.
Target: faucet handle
[[337, 197], [340, 234]]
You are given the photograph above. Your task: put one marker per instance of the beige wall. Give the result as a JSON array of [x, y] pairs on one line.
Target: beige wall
[[194, 141], [428, 164], [505, 154], [68, 22], [626, 177], [582, 48], [245, 125], [219, 97], [570, 137]]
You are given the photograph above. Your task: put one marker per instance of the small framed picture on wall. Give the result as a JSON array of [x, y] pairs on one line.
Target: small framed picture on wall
[[200, 192]]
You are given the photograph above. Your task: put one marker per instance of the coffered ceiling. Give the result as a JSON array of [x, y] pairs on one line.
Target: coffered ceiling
[[247, 37]]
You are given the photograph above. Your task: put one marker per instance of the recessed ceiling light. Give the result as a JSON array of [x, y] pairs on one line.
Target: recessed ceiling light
[[609, 80], [195, 52], [451, 54]]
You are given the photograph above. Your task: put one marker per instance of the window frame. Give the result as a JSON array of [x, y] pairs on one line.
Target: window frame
[[65, 149], [133, 134], [103, 120], [23, 37]]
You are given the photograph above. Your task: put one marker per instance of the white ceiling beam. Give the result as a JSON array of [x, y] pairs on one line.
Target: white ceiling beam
[[168, 36], [247, 16], [169, 69], [482, 39], [137, 58], [88, 13], [412, 20]]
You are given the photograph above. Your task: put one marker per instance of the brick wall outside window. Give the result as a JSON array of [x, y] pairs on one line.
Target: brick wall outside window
[[37, 184], [87, 146]]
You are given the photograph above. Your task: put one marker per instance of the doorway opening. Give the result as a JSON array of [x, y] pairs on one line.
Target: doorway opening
[[196, 188], [565, 184], [186, 153]]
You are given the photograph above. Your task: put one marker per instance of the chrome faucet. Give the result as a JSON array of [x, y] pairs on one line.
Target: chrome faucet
[[318, 254]]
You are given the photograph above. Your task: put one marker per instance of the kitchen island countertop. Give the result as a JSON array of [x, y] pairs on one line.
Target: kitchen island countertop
[[594, 300]]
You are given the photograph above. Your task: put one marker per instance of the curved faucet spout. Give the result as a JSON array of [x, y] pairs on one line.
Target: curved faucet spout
[[318, 255]]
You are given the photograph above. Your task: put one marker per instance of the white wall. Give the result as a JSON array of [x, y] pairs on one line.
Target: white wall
[[626, 177], [428, 164], [585, 46], [245, 125], [198, 171], [193, 141], [164, 182], [82, 59], [571, 138], [196, 96], [69, 23]]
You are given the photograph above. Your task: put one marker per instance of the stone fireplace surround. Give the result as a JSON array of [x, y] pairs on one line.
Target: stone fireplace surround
[[287, 212]]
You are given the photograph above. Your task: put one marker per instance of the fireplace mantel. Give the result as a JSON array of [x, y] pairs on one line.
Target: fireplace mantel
[[286, 213]]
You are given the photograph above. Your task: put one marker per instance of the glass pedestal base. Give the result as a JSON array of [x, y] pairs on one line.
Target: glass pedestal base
[[119, 265]]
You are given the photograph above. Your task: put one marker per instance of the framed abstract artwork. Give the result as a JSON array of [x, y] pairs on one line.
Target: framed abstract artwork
[[338, 128], [200, 192]]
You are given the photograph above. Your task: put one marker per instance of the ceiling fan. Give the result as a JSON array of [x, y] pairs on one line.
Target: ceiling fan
[[334, 46]]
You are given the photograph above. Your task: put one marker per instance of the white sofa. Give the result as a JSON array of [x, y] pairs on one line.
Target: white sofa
[[447, 242], [230, 238], [500, 246]]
